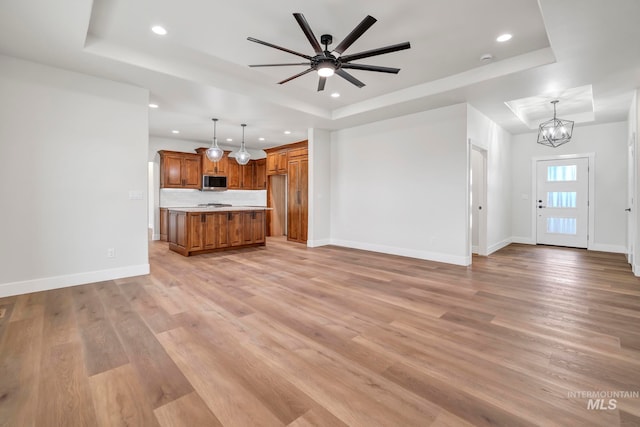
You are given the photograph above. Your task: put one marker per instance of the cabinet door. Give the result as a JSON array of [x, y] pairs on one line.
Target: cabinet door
[[297, 206], [191, 174], [171, 165], [164, 224], [222, 230], [218, 168], [209, 231], [233, 175], [282, 161], [247, 175], [293, 204], [178, 228], [272, 163], [194, 222], [259, 226], [260, 175], [247, 228], [235, 228]]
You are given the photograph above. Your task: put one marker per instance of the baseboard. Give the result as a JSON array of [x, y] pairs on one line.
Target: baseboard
[[411, 253], [523, 240], [497, 246], [636, 270], [317, 243], [48, 283], [603, 247], [474, 249], [155, 237]]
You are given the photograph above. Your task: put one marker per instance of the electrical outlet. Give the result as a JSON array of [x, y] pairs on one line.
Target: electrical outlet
[[111, 253]]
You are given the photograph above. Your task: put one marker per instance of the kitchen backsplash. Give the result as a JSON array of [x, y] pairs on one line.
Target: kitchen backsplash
[[174, 198]]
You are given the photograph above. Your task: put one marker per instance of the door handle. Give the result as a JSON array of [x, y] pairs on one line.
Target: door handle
[[628, 210], [541, 207]]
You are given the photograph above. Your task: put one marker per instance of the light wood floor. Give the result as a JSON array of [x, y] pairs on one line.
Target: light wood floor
[[289, 336]]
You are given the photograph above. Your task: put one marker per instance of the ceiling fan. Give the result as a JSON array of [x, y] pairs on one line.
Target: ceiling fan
[[326, 62]]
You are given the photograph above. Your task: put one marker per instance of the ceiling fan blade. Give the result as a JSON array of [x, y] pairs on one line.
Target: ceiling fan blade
[[321, 83], [371, 68], [355, 34], [342, 73], [296, 76], [375, 52], [284, 49], [278, 65], [306, 29]]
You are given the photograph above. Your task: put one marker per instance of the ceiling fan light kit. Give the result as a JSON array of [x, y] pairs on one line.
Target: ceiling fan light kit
[[555, 132], [325, 62]]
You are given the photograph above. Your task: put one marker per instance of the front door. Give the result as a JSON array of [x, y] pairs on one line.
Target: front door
[[562, 202]]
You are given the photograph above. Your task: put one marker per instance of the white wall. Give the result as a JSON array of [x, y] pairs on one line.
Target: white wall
[[73, 147], [400, 186], [486, 134], [319, 187], [609, 143]]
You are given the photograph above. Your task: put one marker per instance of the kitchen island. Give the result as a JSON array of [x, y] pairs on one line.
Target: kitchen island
[[208, 229]]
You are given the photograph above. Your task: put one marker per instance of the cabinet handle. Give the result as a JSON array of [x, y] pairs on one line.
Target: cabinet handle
[[229, 216], [298, 195]]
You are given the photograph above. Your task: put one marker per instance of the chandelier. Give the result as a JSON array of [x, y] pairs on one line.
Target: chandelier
[[555, 132]]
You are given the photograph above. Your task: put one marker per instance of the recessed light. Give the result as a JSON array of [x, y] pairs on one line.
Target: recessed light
[[261, 139], [229, 139], [175, 131], [287, 132], [153, 105], [504, 38], [159, 30], [335, 95]]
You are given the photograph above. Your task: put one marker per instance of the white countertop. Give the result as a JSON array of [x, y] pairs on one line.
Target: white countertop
[[220, 209]]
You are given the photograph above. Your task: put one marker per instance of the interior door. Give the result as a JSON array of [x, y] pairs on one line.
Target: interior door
[[562, 197], [478, 202], [631, 189]]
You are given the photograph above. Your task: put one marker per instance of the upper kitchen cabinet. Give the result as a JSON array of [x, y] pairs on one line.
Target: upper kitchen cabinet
[[180, 170], [277, 162], [251, 176], [219, 168], [260, 174]]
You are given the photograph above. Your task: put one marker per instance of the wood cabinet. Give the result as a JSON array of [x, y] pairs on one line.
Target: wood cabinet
[[251, 176], [277, 163], [218, 168], [253, 227], [180, 170], [297, 206], [202, 232], [164, 224], [260, 174]]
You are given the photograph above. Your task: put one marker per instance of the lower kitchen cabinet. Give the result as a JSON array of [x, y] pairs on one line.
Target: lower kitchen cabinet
[[202, 232]]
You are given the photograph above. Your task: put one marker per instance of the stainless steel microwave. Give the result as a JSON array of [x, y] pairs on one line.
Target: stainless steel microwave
[[214, 183]]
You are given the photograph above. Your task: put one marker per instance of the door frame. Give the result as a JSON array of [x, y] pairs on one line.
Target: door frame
[[632, 204], [482, 216], [591, 192], [468, 214]]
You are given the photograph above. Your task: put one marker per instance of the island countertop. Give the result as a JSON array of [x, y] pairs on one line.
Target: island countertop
[[203, 209]]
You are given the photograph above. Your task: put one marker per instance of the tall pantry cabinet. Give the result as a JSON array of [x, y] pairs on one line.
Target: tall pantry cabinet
[[297, 195]]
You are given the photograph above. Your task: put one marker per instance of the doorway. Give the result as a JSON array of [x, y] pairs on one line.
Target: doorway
[[478, 184], [562, 201], [631, 191]]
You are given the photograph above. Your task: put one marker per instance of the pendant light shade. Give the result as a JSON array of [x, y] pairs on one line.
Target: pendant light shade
[[243, 156], [215, 153], [555, 132]]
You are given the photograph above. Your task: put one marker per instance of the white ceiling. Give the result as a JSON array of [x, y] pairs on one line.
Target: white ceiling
[[200, 69]]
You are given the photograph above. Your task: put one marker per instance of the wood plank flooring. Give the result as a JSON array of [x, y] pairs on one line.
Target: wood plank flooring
[[284, 335]]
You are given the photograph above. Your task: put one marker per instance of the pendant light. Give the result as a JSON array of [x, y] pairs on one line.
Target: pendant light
[[555, 132], [243, 156], [215, 153]]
